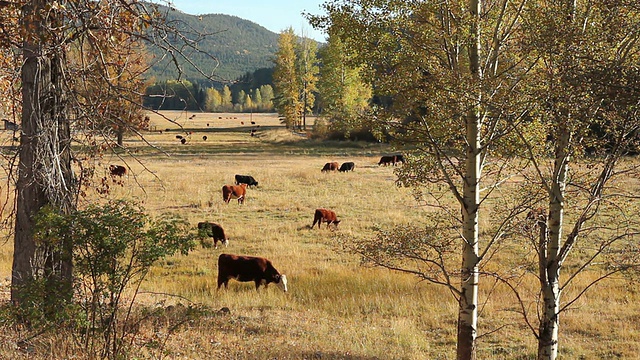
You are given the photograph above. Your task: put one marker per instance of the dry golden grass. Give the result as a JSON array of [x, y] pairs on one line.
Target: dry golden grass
[[335, 308]]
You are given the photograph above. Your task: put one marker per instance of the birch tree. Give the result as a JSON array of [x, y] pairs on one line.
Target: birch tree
[[451, 70], [588, 97]]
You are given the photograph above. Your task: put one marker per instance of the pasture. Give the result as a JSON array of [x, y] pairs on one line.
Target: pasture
[[335, 307]]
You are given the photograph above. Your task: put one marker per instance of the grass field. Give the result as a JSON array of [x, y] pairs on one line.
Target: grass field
[[335, 308]]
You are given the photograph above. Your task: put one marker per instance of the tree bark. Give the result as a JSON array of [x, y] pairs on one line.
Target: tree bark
[[550, 261], [44, 168], [468, 303], [29, 195]]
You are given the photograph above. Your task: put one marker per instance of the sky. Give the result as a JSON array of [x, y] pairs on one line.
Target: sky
[[275, 15]]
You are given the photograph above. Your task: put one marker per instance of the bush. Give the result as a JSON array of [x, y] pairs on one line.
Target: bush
[[114, 246]]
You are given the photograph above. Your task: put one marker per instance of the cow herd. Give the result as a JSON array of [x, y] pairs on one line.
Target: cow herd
[[257, 269]]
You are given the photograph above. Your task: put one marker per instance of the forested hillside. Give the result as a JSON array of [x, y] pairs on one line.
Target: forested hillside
[[239, 45]]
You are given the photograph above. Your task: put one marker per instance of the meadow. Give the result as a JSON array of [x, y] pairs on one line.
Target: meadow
[[335, 308]]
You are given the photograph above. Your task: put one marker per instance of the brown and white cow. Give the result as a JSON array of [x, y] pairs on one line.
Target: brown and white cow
[[325, 215], [248, 268], [213, 230], [330, 166], [234, 192]]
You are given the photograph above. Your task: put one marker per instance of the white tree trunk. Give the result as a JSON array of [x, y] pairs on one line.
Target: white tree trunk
[[549, 259], [468, 306]]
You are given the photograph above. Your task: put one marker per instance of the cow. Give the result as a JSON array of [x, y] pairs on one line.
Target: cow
[[325, 215], [213, 230], [386, 160], [248, 268], [246, 179], [330, 166], [117, 170], [234, 192], [347, 166]]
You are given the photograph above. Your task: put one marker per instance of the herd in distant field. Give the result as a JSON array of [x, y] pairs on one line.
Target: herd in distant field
[[250, 268]]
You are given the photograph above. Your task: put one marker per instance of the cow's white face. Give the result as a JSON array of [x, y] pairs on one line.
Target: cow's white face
[[282, 284]]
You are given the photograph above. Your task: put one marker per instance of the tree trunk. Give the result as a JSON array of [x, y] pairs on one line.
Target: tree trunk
[[29, 195], [120, 136], [44, 169], [549, 262], [468, 305]]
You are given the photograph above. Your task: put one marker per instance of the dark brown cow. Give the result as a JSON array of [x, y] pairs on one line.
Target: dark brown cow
[[234, 192], [213, 230], [117, 170], [386, 160], [325, 215], [330, 166], [248, 268], [347, 166]]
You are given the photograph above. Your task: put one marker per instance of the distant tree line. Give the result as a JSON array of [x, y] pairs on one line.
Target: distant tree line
[[252, 92]]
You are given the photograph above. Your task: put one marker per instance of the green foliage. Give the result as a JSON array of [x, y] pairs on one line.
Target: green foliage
[[286, 79], [174, 94], [114, 246], [344, 95]]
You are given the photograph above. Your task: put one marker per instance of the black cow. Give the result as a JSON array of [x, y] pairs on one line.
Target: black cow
[[213, 230], [399, 158], [246, 179], [117, 170], [347, 166], [386, 160], [248, 268]]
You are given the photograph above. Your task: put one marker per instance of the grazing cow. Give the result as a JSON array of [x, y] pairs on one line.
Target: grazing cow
[[325, 215], [246, 179], [117, 170], [330, 166], [234, 192], [178, 137], [183, 141], [204, 137], [386, 160], [347, 166], [248, 268], [213, 230]]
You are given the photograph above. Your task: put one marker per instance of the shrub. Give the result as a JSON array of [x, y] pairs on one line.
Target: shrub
[[114, 246]]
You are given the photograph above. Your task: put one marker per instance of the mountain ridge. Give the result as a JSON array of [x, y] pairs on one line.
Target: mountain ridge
[[237, 45]]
